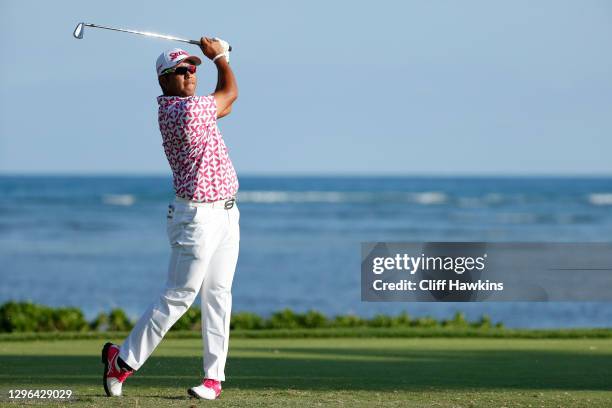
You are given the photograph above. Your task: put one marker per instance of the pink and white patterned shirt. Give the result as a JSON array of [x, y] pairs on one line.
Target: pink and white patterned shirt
[[201, 167]]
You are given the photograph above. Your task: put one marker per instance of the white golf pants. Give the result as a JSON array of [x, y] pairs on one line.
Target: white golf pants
[[204, 244]]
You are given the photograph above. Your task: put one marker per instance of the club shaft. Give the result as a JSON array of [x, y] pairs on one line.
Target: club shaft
[[166, 37]]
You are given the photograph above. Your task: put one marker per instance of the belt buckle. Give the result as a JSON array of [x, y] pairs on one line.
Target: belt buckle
[[229, 204]]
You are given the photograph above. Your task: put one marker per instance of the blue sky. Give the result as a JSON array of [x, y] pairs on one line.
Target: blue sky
[[385, 87]]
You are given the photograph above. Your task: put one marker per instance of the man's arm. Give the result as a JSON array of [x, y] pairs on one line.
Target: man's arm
[[226, 112], [226, 91], [219, 93]]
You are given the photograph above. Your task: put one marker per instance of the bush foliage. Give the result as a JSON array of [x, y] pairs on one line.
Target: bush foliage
[[30, 317]]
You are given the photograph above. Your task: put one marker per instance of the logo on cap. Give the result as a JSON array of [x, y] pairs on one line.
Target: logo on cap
[[175, 55]]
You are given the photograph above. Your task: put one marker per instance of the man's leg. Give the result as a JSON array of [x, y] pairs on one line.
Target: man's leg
[[188, 265], [217, 300], [185, 273]]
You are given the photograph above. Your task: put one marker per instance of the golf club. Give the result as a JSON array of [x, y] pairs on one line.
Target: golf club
[[78, 33]]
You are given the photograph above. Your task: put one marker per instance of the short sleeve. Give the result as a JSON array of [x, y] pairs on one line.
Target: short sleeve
[[199, 110]]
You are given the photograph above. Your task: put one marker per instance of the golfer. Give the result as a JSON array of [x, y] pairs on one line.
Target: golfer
[[202, 222]]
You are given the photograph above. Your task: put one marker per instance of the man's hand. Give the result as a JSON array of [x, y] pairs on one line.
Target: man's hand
[[211, 47]]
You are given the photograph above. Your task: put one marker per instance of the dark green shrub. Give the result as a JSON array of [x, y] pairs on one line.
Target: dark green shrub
[[246, 321], [424, 322], [458, 320], [118, 321], [191, 320], [484, 322], [69, 319], [401, 320], [348, 321], [380, 321], [100, 323], [313, 319], [19, 317], [284, 319], [29, 317]]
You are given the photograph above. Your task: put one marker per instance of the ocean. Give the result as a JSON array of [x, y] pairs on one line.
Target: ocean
[[98, 242]]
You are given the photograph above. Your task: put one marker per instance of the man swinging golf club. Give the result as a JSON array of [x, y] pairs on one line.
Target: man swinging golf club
[[202, 222]]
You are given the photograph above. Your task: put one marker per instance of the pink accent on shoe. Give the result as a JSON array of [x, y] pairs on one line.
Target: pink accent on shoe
[[213, 384], [113, 376], [113, 365], [123, 375]]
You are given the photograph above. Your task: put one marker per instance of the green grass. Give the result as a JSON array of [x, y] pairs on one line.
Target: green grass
[[350, 372]]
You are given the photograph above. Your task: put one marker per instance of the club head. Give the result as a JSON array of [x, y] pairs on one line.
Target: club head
[[78, 31]]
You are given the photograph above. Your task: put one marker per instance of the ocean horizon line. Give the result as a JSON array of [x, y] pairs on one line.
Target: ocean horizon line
[[324, 175]]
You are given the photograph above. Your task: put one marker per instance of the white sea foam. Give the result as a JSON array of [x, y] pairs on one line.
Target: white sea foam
[[119, 199], [423, 198], [429, 197], [304, 196], [600, 198]]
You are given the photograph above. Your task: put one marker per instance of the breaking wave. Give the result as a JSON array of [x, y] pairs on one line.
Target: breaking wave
[[119, 199], [600, 198], [267, 197]]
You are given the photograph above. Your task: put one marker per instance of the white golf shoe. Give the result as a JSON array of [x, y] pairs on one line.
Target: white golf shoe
[[209, 389]]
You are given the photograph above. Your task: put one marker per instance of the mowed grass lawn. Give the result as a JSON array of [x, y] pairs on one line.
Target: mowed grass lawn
[[350, 372]]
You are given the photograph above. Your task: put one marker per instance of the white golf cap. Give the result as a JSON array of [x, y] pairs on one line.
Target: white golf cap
[[173, 57]]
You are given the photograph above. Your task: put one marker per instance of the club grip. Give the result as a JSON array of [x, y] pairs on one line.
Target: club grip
[[196, 42]]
